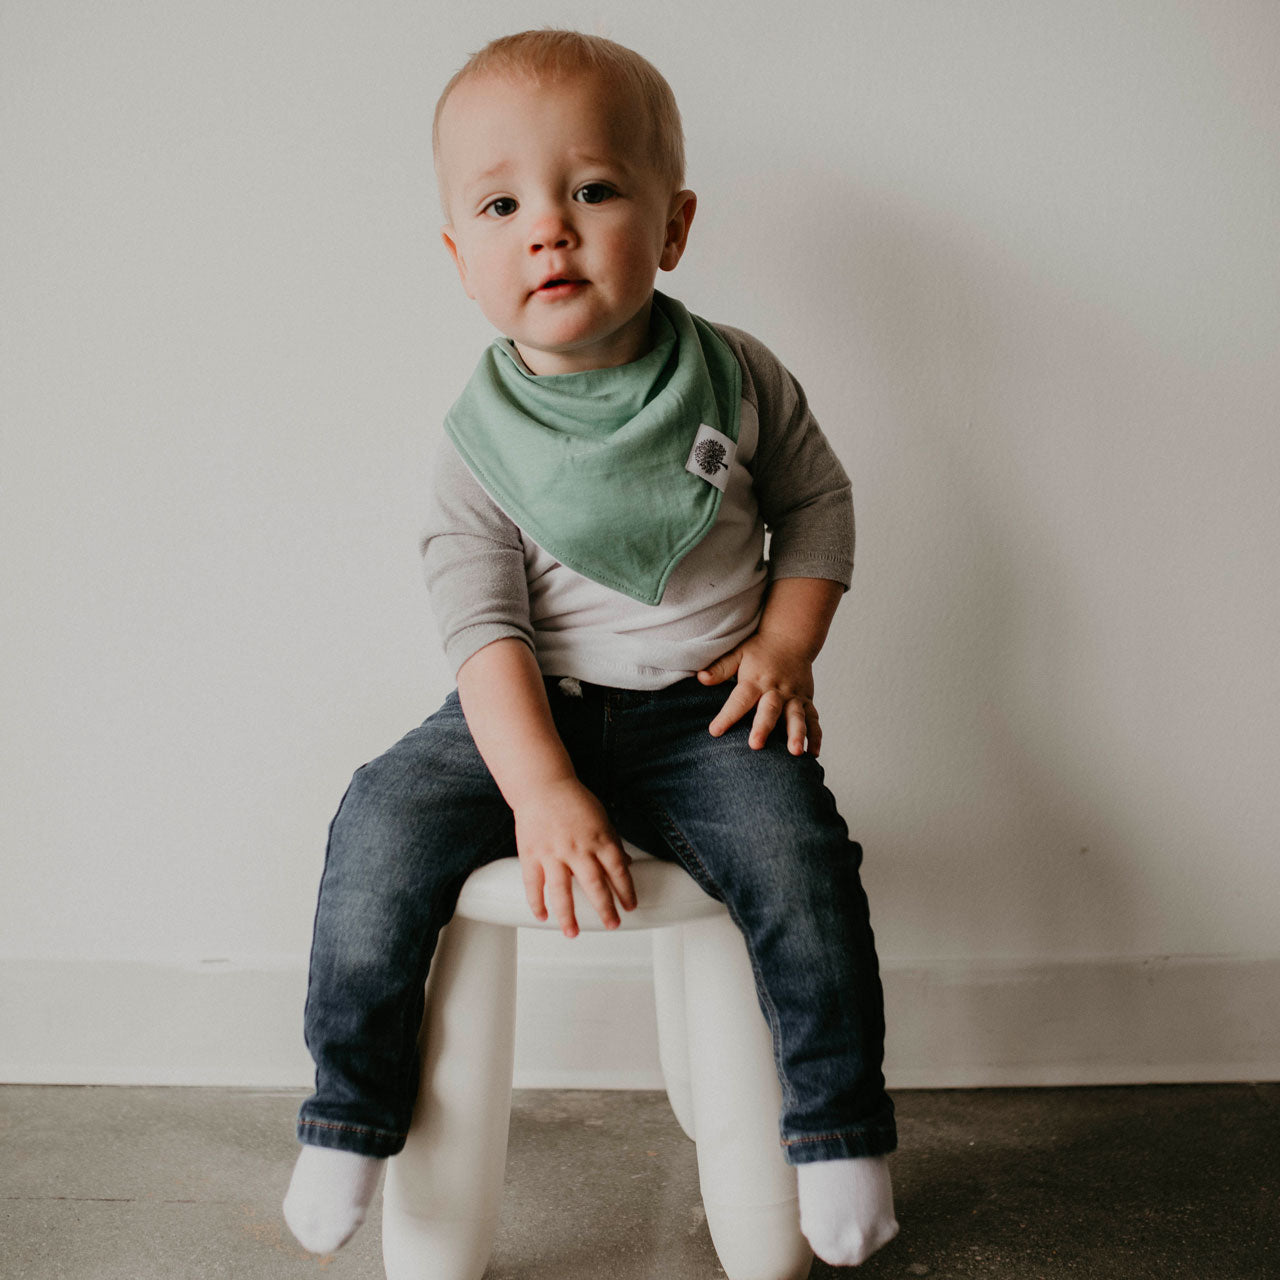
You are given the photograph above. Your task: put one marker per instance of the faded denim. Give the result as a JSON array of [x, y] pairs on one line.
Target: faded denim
[[757, 830]]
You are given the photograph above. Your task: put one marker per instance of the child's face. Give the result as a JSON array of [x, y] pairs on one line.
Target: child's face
[[558, 222]]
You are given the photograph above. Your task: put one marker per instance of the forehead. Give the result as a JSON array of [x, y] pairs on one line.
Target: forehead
[[490, 120]]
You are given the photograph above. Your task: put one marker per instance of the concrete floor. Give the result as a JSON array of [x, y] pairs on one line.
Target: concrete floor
[[185, 1184]]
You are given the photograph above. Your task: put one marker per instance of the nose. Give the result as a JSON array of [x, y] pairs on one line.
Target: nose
[[551, 229]]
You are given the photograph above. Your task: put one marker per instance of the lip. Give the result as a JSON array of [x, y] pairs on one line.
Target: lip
[[558, 286]]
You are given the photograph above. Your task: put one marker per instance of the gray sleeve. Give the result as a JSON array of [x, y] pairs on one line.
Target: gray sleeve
[[473, 560], [804, 493]]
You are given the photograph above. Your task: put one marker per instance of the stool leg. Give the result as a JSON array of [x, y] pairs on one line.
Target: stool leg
[[673, 1034], [444, 1190], [748, 1189]]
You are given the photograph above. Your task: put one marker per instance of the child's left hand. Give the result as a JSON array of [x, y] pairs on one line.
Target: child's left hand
[[778, 682]]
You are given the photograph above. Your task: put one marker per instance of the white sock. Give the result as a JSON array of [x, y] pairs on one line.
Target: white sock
[[846, 1208], [328, 1196]]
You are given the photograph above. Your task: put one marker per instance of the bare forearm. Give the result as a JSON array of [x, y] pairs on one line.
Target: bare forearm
[[562, 829], [798, 613], [505, 703]]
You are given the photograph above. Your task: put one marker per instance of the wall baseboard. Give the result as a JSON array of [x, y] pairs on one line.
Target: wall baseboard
[[956, 1024]]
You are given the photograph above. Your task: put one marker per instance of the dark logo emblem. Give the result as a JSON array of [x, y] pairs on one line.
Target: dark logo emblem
[[710, 457]]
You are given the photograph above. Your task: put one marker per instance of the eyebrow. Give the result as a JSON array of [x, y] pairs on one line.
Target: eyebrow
[[604, 162], [589, 157], [579, 157], [493, 171]]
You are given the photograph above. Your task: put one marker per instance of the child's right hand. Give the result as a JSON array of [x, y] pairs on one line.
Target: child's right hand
[[563, 832]]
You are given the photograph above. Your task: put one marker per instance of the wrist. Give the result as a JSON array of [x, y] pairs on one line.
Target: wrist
[[538, 786], [789, 641], [797, 615]]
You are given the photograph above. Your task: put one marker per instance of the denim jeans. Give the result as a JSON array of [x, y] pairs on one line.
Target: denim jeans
[[757, 829]]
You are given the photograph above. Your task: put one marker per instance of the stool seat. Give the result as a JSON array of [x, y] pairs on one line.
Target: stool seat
[[443, 1192], [665, 895]]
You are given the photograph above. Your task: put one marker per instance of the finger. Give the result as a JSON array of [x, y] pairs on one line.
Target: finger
[[616, 862], [797, 726], [595, 885], [738, 703], [560, 896], [722, 668], [815, 729], [767, 712], [531, 873]]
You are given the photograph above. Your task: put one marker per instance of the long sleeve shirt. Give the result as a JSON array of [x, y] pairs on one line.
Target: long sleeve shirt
[[487, 580]]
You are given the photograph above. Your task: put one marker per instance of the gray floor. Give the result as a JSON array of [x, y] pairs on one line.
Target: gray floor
[[185, 1184]]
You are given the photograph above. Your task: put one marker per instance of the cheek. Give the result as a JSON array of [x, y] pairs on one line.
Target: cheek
[[635, 257], [490, 272]]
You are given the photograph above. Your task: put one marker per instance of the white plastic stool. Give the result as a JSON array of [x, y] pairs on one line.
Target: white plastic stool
[[443, 1191]]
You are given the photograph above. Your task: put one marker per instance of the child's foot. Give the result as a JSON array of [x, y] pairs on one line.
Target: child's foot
[[846, 1208], [328, 1196]]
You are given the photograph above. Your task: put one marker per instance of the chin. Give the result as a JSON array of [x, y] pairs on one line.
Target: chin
[[562, 344]]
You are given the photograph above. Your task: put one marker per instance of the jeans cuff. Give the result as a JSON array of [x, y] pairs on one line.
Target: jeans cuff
[[341, 1136], [874, 1140]]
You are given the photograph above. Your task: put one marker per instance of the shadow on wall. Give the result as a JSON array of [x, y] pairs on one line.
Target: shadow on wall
[[1011, 777]]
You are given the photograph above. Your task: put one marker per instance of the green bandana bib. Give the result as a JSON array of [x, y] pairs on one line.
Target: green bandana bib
[[618, 473]]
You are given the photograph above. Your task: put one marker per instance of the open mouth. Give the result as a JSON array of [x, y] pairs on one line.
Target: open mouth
[[559, 283]]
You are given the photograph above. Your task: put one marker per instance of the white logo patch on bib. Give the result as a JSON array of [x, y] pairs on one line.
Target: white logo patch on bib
[[711, 456]]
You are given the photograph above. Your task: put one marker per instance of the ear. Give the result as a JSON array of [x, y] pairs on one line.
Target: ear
[[683, 206], [450, 243]]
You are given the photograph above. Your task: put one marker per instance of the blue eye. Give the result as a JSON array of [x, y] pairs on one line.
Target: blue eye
[[502, 207], [594, 193]]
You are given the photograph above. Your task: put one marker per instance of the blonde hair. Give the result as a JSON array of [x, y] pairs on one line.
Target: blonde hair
[[552, 54]]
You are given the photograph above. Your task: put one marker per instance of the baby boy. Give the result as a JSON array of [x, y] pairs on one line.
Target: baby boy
[[629, 664]]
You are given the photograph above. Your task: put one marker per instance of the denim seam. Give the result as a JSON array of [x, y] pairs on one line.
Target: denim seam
[[328, 845], [352, 1128], [861, 1132], [678, 842], [411, 1084]]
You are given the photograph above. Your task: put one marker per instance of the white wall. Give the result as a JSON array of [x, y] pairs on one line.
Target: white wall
[[1023, 257]]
